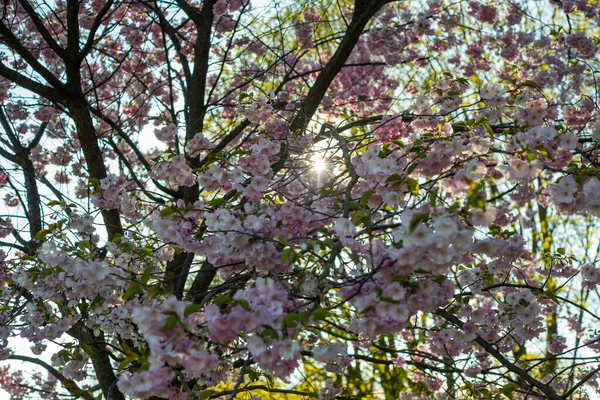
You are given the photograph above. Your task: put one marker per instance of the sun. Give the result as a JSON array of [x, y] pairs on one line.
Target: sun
[[318, 164]]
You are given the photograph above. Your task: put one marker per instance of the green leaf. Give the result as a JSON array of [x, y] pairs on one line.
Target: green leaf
[[172, 322], [159, 118], [269, 332], [329, 242], [84, 245], [291, 319], [362, 218], [474, 188], [440, 278], [190, 309], [416, 220], [561, 251], [128, 350], [253, 375], [167, 212], [419, 152], [389, 300], [304, 317], [97, 300], [125, 363], [530, 84], [488, 129], [147, 251], [206, 394], [146, 274], [243, 96], [455, 206], [223, 299], [433, 195], [217, 202], [88, 350], [509, 389], [411, 168], [245, 304], [41, 235], [287, 255], [283, 240], [477, 202], [393, 178], [551, 295], [319, 314], [355, 206], [413, 185], [364, 199], [132, 291], [543, 151]]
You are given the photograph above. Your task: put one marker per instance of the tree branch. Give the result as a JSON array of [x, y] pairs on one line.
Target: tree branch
[[14, 43], [39, 25], [46, 92], [490, 349], [360, 19], [70, 385]]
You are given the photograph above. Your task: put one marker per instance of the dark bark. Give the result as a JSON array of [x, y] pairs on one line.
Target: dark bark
[[70, 385], [491, 350], [93, 156], [39, 25], [78, 107], [23, 81], [197, 87], [202, 281], [363, 12], [21, 158], [177, 269], [100, 360], [13, 42]]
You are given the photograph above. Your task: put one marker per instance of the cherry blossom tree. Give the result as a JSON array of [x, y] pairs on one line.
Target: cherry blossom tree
[[299, 199]]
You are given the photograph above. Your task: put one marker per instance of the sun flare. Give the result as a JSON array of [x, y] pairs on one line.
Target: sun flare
[[318, 164]]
